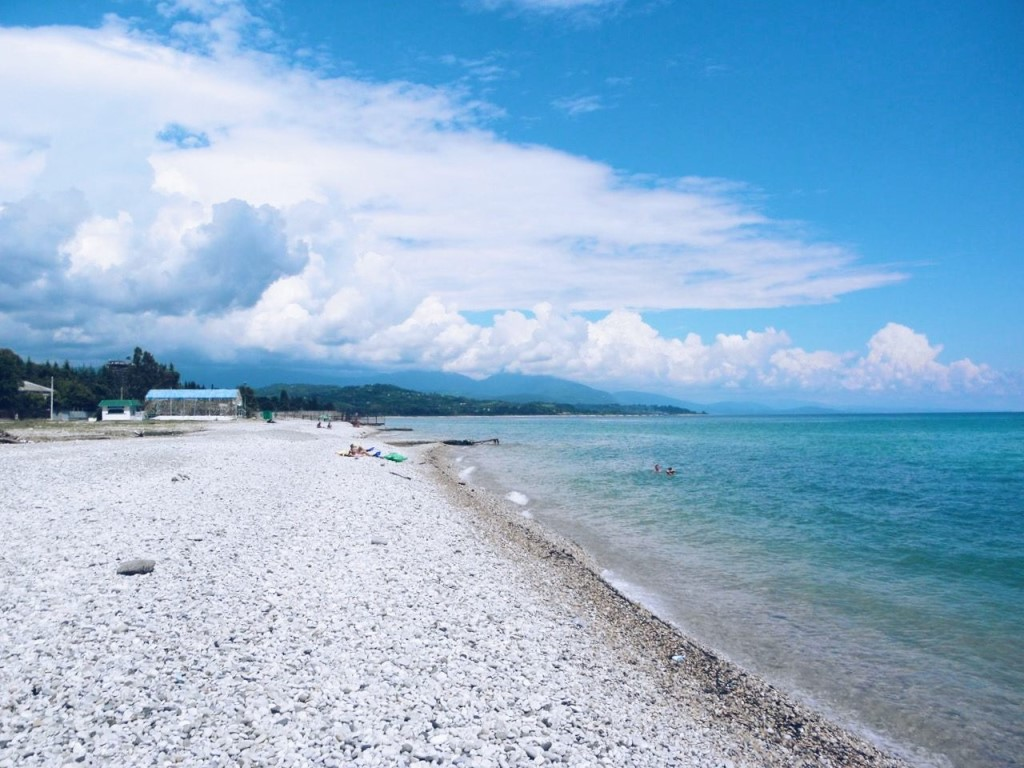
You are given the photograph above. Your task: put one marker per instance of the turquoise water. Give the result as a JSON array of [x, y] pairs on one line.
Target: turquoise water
[[873, 566]]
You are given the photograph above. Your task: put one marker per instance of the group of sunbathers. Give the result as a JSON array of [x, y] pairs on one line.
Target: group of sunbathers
[[358, 450]]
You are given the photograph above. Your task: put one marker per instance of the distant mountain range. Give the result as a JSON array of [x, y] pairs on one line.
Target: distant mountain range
[[513, 388]]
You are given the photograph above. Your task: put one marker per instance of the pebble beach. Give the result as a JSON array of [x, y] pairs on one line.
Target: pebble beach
[[245, 595]]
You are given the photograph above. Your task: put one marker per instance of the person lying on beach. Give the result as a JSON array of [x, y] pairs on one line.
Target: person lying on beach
[[356, 450]]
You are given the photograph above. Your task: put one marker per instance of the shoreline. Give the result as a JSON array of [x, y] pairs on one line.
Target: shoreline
[[311, 609], [779, 730]]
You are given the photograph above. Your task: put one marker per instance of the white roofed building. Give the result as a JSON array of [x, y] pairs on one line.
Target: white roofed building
[[197, 404]]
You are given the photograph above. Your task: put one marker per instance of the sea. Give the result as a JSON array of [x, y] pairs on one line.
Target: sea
[[872, 566]]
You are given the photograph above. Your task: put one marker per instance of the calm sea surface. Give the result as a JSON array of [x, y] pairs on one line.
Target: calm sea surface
[[873, 566]]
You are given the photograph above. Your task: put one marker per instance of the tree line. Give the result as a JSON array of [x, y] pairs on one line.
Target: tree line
[[81, 388], [389, 400]]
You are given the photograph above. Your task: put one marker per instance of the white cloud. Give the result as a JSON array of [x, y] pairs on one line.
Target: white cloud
[[146, 130], [432, 336], [195, 193], [487, 69], [579, 105], [23, 160], [805, 370], [98, 245], [32, 230], [900, 358], [622, 348]]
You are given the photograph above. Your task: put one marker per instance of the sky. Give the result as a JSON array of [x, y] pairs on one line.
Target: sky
[[790, 201]]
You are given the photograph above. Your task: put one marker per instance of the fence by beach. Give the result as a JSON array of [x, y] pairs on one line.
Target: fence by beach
[[352, 418]]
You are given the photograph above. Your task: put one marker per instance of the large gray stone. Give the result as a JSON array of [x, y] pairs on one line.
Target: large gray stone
[[135, 567]]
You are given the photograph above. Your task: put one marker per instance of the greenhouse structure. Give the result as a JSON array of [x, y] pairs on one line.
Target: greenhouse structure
[[198, 404]]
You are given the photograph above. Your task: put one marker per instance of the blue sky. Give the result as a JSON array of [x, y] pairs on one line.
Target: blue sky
[[795, 200]]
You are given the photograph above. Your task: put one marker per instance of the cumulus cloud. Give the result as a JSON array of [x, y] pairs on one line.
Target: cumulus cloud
[[32, 230], [622, 348], [898, 357], [242, 250], [203, 192]]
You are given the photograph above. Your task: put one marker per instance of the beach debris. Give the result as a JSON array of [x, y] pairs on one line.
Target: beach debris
[[135, 567], [492, 440], [379, 542], [679, 658], [179, 477], [7, 437]]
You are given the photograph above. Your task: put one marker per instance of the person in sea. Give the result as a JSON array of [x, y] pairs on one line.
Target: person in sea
[[657, 467], [670, 471]]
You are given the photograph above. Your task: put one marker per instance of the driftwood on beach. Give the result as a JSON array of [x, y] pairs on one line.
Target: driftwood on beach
[[492, 440]]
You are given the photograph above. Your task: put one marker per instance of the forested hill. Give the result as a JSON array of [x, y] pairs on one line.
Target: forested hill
[[81, 388], [389, 400]]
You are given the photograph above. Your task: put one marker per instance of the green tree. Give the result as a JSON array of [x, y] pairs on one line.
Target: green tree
[[133, 377], [249, 400], [74, 394], [12, 372]]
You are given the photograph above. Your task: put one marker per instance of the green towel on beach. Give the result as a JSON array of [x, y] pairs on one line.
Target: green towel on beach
[[393, 457]]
